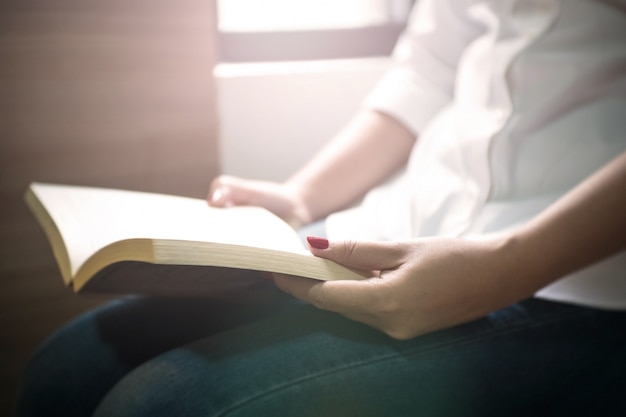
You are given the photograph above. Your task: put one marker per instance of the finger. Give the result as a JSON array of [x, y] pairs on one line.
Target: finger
[[366, 256], [339, 296], [221, 197], [356, 300], [227, 191], [217, 192]]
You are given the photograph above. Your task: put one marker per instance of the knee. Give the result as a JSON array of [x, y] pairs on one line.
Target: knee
[[62, 376], [168, 385]]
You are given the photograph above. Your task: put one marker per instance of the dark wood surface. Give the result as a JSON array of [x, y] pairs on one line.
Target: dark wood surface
[[116, 93]]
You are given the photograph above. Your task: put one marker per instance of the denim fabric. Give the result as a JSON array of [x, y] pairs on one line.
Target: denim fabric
[[274, 356]]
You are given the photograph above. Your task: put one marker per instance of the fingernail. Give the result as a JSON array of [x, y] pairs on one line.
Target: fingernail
[[317, 242], [217, 195], [221, 197]]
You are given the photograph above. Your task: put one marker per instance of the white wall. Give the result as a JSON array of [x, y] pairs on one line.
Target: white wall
[[274, 116]]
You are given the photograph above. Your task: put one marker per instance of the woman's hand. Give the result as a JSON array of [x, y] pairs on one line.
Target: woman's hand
[[337, 176], [416, 286], [280, 199], [424, 285]]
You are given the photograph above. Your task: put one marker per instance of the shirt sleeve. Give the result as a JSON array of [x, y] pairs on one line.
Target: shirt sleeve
[[421, 79]]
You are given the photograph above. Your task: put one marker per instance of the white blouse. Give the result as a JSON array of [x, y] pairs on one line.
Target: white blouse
[[515, 102]]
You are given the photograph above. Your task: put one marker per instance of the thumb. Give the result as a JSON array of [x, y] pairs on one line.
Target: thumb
[[362, 255]]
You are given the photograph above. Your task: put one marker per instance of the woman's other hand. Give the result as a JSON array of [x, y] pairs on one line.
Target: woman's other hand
[[280, 199]]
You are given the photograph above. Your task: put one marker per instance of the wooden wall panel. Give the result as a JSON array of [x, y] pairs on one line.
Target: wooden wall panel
[[116, 93]]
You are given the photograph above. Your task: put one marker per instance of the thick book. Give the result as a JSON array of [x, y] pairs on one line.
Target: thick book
[[119, 241]]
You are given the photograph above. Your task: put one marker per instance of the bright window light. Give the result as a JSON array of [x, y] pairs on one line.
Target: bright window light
[[289, 15]]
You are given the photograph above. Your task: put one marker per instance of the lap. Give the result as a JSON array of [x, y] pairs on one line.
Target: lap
[[524, 360], [192, 357], [82, 361]]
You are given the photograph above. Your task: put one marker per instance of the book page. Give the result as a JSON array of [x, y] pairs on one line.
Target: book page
[[92, 218]]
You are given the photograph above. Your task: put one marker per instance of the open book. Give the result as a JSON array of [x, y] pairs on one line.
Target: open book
[[118, 241]]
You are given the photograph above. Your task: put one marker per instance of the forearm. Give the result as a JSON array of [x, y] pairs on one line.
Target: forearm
[[583, 227], [368, 150]]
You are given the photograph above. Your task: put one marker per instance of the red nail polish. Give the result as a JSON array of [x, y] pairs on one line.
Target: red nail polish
[[317, 242]]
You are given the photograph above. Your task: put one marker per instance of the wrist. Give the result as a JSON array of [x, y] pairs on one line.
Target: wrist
[[521, 263], [301, 214]]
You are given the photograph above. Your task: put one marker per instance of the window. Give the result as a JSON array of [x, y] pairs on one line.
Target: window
[[271, 30]]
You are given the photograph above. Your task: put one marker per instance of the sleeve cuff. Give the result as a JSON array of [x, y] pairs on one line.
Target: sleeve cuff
[[410, 99]]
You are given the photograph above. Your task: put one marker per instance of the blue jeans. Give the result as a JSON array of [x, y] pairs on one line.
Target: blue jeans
[[270, 355]]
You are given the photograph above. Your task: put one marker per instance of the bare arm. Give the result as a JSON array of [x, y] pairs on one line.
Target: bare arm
[[584, 226], [424, 285], [370, 148]]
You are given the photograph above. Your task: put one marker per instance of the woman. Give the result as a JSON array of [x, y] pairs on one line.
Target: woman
[[483, 187]]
